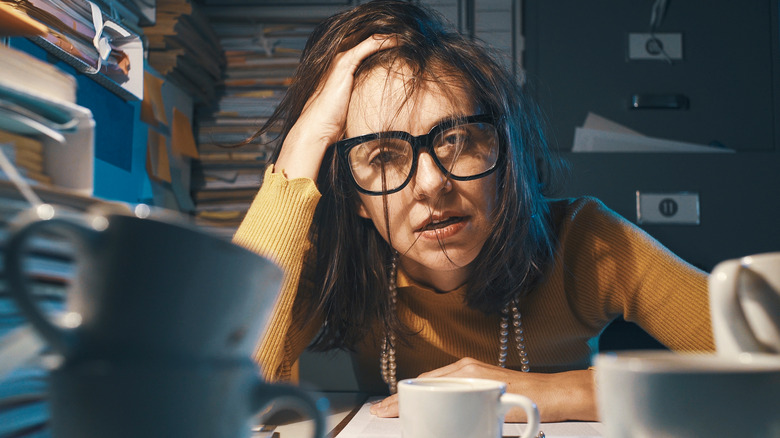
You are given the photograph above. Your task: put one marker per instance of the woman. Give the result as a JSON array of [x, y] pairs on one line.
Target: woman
[[408, 206]]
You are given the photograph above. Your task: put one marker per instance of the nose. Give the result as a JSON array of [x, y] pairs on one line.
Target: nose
[[429, 181]]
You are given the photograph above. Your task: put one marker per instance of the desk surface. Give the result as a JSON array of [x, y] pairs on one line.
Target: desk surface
[[349, 418], [342, 406]]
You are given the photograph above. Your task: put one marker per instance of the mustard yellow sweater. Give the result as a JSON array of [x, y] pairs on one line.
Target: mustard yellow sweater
[[605, 267]]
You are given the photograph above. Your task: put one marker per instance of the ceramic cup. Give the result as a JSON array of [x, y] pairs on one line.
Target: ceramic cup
[[664, 394], [165, 399], [160, 326], [147, 286], [745, 304], [446, 407]]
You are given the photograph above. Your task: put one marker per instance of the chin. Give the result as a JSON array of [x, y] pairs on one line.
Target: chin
[[450, 261]]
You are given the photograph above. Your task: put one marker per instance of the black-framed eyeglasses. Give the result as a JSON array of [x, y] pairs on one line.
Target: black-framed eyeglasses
[[463, 148]]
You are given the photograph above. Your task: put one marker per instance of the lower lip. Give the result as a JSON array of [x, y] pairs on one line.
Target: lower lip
[[445, 232]]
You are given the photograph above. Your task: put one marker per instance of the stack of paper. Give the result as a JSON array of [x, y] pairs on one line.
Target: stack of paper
[[224, 178], [132, 13], [602, 135], [43, 132], [23, 408], [261, 61], [50, 268], [261, 55], [82, 35], [184, 48], [16, 23]]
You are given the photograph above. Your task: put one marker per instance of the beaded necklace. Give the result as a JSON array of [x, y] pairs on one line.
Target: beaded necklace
[[387, 357]]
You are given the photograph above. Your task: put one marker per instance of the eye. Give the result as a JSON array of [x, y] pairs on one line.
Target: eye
[[452, 142], [455, 137], [387, 153], [384, 157]]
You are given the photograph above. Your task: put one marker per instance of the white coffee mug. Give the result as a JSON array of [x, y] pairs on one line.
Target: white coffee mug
[[446, 407], [146, 285], [745, 304], [684, 395], [167, 398]]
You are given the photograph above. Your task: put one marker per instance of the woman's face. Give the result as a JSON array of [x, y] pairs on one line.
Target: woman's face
[[438, 226]]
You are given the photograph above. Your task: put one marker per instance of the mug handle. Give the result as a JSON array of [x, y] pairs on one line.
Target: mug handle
[[730, 327], [61, 338], [509, 401], [289, 396], [761, 306]]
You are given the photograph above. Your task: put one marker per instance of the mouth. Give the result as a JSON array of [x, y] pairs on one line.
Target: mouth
[[440, 223]]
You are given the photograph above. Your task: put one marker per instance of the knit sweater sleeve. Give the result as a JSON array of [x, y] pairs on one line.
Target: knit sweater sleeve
[[612, 268], [276, 226]]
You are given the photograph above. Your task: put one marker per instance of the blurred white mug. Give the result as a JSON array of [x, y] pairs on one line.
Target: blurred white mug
[[652, 394], [446, 407], [745, 304]]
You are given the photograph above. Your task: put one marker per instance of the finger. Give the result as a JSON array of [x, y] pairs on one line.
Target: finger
[[323, 117], [441, 372], [455, 368], [373, 44], [386, 408], [339, 80]]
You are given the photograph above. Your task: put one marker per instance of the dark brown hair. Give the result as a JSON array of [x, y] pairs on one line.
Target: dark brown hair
[[351, 261]]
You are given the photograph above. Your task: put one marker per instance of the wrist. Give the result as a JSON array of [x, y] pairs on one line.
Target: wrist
[[578, 396], [301, 158]]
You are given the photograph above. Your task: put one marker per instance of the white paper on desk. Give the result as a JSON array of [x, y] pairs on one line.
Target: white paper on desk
[[593, 140], [365, 425], [595, 121], [599, 134]]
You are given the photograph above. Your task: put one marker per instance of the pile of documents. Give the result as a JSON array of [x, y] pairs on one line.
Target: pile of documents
[[225, 177], [23, 377], [131, 13], [261, 61], [599, 134], [82, 35], [42, 130], [185, 50]]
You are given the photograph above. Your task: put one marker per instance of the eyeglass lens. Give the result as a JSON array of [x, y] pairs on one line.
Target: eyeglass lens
[[462, 151]]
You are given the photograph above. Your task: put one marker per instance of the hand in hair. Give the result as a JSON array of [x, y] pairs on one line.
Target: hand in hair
[[323, 118], [562, 396]]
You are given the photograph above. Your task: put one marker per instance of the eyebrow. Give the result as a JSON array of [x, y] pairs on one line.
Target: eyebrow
[[450, 119], [444, 120]]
